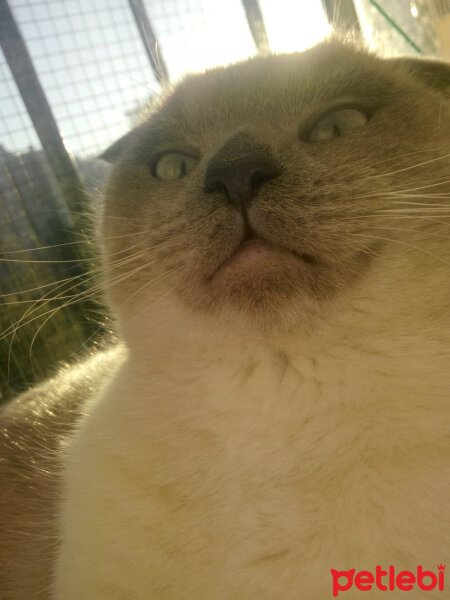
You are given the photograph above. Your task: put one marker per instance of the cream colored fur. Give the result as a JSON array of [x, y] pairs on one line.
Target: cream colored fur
[[221, 467]]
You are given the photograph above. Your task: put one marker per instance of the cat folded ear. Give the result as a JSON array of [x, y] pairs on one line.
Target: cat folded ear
[[118, 148], [434, 73]]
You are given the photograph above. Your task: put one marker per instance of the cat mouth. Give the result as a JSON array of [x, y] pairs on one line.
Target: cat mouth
[[251, 249], [252, 244], [254, 255]]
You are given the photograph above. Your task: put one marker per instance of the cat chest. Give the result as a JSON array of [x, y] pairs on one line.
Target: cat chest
[[255, 493], [254, 516]]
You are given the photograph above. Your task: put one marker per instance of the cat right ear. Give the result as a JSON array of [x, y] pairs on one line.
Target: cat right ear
[[434, 73], [116, 150]]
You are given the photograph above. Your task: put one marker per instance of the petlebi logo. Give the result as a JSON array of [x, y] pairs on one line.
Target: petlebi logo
[[388, 580]]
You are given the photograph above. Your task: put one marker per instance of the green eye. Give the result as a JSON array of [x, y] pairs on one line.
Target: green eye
[[172, 166], [338, 123]]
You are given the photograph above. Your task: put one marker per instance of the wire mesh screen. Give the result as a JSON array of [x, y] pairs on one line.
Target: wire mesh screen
[[94, 66], [91, 63], [95, 72]]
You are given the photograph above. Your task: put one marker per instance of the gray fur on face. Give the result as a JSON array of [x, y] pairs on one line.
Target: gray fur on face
[[325, 212]]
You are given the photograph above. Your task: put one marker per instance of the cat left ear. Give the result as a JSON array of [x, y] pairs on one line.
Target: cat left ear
[[433, 73], [116, 150]]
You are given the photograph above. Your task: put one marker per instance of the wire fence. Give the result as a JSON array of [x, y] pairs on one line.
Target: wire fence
[[73, 77]]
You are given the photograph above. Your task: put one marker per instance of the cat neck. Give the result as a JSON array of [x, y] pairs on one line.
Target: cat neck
[[353, 350]]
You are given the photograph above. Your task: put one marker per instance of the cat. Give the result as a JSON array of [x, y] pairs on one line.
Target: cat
[[275, 242]]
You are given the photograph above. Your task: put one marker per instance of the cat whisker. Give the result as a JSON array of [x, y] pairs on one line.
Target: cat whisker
[[404, 192], [35, 289], [116, 218], [82, 279], [424, 204], [406, 230], [421, 164], [74, 281], [106, 238], [146, 284], [412, 246], [72, 300], [396, 217], [391, 157], [113, 282], [411, 212], [37, 248]]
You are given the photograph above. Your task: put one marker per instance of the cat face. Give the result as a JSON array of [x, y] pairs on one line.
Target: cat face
[[274, 186]]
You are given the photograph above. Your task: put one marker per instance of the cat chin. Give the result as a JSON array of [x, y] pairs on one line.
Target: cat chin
[[269, 290], [257, 290]]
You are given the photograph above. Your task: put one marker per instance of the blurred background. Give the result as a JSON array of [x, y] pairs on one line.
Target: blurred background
[[74, 75]]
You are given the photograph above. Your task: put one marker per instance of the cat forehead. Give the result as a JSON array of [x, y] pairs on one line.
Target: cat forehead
[[322, 72], [277, 89], [282, 90]]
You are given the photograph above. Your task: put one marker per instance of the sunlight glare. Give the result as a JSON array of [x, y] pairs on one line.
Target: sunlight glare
[[294, 25]]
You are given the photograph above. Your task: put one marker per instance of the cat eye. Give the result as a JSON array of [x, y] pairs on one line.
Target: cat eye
[[337, 124], [172, 166]]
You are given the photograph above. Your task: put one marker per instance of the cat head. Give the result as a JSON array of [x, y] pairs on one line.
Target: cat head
[[270, 190]]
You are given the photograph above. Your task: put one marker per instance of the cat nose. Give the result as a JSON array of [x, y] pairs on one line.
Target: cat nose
[[239, 169]]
